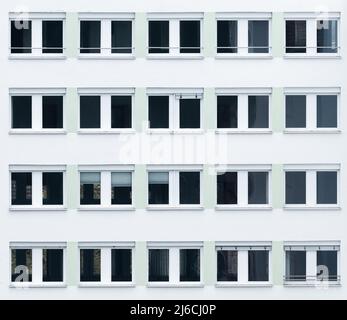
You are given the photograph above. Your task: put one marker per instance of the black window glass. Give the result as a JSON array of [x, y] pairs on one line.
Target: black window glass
[[227, 36], [121, 188], [227, 112], [326, 187], [296, 36], [52, 188], [90, 265], [327, 265], [258, 36], [158, 265], [296, 265], [52, 112], [295, 187], [90, 112], [90, 37], [258, 188], [121, 36], [90, 188], [189, 36], [21, 265], [21, 112], [226, 265], [158, 112], [189, 265], [189, 113], [295, 111], [121, 112], [227, 188], [53, 265], [158, 36], [121, 265], [21, 36], [258, 112], [327, 111], [327, 36], [258, 265], [189, 187], [158, 188], [21, 184], [52, 36]]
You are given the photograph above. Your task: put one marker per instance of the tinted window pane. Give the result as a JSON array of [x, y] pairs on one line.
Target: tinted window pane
[[90, 188], [158, 188], [326, 111], [227, 36], [226, 265], [327, 265], [189, 113], [258, 36], [90, 37], [52, 112], [53, 265], [189, 265], [326, 187], [158, 112], [295, 111], [21, 192], [295, 36], [190, 36], [296, 265], [227, 111], [52, 188], [121, 112], [21, 36], [327, 36], [21, 265], [121, 265], [121, 37], [121, 188], [52, 36], [227, 188], [258, 188], [90, 263], [158, 265], [258, 111], [21, 112], [189, 187], [258, 265], [90, 112], [158, 36], [295, 187]]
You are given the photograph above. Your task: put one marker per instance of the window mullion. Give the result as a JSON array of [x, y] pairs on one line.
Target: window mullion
[[311, 263], [36, 36], [37, 189], [311, 111], [311, 187], [106, 36], [173, 188], [37, 270], [36, 112], [105, 112], [174, 112], [242, 35], [242, 266], [174, 263], [242, 112], [106, 265], [105, 192], [174, 36], [242, 188], [311, 36]]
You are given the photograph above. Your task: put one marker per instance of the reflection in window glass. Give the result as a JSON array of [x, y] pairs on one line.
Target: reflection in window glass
[[90, 265], [21, 34], [327, 36], [227, 265], [296, 36], [258, 36], [258, 112], [21, 188], [21, 265], [158, 188], [90, 188], [189, 265], [121, 188]]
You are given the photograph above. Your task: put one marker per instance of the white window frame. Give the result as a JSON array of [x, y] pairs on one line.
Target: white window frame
[[311, 248], [242, 187], [311, 186], [106, 264], [174, 264], [242, 109], [242, 19], [311, 109], [174, 192], [37, 200], [37, 264], [105, 187], [106, 34]]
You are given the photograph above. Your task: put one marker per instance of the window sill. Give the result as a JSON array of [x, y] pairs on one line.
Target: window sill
[[98, 131], [305, 56], [36, 57], [314, 131], [106, 57], [106, 285], [301, 284], [21, 285], [176, 131], [236, 131], [175, 285], [220, 56], [38, 209], [244, 285], [175, 57], [239, 208], [37, 132], [312, 208], [176, 208], [109, 209]]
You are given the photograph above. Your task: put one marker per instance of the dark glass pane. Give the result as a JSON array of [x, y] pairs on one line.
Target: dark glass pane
[[158, 265], [21, 36], [296, 36], [189, 113], [90, 37], [296, 265], [52, 188], [158, 36], [90, 263], [227, 37], [21, 265], [295, 187], [121, 36], [90, 188], [227, 112], [258, 36], [121, 265], [121, 188], [121, 112], [21, 112], [53, 265], [189, 36], [327, 36], [227, 188], [52, 36], [258, 265], [226, 265], [21, 192], [189, 187], [52, 112], [327, 265], [295, 111], [327, 187], [90, 111], [189, 265], [327, 111], [158, 112], [258, 188], [258, 112]]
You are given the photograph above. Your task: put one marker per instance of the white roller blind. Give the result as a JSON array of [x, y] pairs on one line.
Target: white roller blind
[[158, 177], [121, 179], [90, 177]]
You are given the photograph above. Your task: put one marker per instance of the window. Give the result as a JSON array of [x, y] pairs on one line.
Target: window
[[21, 112], [21, 188], [53, 265], [158, 37], [52, 188], [158, 265], [295, 187], [21, 36], [121, 112], [326, 187], [327, 268], [90, 263], [158, 188], [227, 268], [258, 36], [258, 265], [295, 111], [258, 111], [189, 113], [327, 36], [189, 265], [121, 36], [296, 265], [52, 112], [295, 36], [326, 111], [227, 36], [190, 36], [121, 265], [158, 110], [227, 112], [90, 188], [21, 265], [90, 37], [121, 188], [90, 112], [52, 36]]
